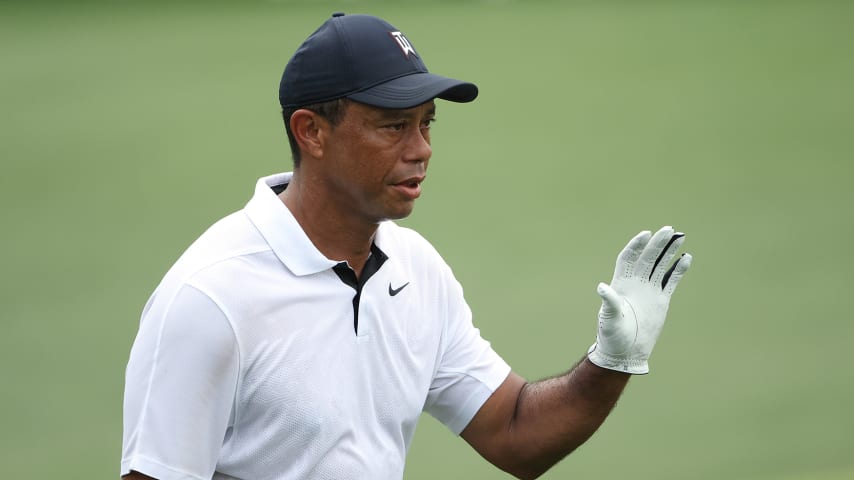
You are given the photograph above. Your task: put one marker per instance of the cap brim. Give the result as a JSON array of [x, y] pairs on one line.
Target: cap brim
[[412, 90]]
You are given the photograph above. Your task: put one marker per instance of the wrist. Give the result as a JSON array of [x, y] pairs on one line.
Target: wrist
[[625, 364]]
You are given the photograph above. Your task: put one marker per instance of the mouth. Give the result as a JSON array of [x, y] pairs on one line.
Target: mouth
[[410, 188], [411, 183]]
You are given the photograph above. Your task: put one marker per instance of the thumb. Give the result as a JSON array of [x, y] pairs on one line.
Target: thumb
[[611, 300]]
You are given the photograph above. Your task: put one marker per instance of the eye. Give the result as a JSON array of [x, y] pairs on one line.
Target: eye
[[425, 125], [396, 126]]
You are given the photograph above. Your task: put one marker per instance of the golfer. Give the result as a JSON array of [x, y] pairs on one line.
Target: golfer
[[303, 336]]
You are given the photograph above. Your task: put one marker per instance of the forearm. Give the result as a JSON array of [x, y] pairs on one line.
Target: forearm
[[554, 416]]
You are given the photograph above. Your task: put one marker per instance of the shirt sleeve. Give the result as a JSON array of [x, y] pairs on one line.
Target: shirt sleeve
[[469, 371], [180, 386]]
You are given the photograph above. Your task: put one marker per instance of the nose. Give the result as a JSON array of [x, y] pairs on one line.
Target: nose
[[418, 146]]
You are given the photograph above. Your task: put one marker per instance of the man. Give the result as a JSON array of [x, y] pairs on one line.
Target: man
[[302, 336]]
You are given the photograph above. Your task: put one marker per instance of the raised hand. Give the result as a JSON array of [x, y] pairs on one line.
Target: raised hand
[[634, 305]]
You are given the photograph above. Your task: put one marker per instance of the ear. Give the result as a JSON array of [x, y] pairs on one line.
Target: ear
[[308, 128]]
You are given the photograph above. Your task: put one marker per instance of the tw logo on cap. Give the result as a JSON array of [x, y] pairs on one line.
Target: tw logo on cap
[[403, 43]]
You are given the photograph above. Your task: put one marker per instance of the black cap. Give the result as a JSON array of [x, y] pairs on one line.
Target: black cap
[[365, 59]]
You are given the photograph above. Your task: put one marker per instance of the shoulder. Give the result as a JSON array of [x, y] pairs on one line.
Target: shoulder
[[217, 255], [406, 243], [231, 237], [395, 237]]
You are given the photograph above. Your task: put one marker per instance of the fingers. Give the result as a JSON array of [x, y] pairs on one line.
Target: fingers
[[611, 301], [628, 257], [659, 268], [647, 257], [675, 273], [652, 253]]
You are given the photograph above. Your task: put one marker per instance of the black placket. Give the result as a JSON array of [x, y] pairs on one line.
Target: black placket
[[348, 276]]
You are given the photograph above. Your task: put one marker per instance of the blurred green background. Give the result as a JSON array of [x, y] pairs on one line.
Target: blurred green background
[[128, 127]]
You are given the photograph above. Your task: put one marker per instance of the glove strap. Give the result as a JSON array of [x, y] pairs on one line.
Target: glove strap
[[620, 364]]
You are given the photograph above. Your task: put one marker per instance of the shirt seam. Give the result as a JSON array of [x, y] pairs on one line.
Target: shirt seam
[[228, 318], [186, 281]]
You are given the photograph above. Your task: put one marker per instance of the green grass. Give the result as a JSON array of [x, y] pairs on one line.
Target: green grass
[[128, 127]]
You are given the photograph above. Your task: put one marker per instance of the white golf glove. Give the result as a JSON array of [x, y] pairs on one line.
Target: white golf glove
[[635, 305]]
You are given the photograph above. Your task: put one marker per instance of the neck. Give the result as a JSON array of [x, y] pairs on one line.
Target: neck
[[336, 234]]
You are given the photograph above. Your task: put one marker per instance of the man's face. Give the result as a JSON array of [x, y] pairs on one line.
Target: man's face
[[375, 159]]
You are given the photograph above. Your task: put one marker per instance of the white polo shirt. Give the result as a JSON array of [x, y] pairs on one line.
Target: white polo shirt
[[259, 358]]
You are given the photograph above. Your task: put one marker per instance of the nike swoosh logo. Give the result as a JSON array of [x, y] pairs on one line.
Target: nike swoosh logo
[[394, 291]]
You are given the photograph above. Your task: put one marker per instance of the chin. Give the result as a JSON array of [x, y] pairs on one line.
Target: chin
[[398, 214]]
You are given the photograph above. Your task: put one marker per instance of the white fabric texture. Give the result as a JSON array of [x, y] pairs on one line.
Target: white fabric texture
[[247, 365]]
